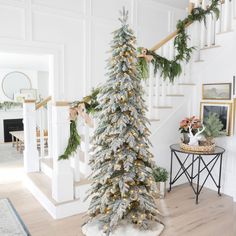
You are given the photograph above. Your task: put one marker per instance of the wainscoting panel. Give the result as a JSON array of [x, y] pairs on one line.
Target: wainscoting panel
[[109, 8], [75, 6], [101, 35], [69, 32], [13, 18]]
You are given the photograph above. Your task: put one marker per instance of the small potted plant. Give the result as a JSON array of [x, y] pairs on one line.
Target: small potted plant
[[161, 176], [213, 128]]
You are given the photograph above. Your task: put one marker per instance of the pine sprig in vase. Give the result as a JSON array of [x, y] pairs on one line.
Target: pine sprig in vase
[[213, 128]]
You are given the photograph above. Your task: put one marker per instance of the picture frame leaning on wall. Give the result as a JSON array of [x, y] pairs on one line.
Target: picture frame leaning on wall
[[224, 111]]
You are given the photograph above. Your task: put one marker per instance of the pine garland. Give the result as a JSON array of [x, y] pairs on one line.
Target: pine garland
[[73, 142], [91, 105], [168, 68], [172, 68], [90, 101]]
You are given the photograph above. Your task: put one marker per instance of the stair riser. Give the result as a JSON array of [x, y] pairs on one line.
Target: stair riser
[[80, 191], [46, 170]]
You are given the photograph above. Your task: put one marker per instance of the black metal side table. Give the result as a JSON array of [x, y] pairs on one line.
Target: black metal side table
[[208, 160]]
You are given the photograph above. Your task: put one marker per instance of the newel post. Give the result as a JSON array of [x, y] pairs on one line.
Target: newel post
[[31, 155], [62, 181]]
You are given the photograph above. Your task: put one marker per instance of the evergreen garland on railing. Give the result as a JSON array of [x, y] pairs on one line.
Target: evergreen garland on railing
[[168, 68], [172, 68], [90, 102], [73, 142]]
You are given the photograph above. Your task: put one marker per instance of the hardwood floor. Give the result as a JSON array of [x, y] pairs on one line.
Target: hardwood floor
[[214, 216]]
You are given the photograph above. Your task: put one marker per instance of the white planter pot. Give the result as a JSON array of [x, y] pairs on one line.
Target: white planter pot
[[161, 186]]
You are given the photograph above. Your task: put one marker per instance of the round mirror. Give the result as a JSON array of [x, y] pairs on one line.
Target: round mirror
[[13, 82]]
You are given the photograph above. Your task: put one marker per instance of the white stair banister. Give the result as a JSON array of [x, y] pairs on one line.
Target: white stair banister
[[41, 132], [49, 124], [63, 179], [31, 155], [234, 9], [150, 91], [229, 14]]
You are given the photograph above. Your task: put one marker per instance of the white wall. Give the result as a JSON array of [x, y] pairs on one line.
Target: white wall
[[43, 77], [77, 33], [219, 66]]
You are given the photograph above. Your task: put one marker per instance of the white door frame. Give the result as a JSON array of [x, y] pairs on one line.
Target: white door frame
[[56, 61]]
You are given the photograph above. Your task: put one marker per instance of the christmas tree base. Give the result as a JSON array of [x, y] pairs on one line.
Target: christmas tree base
[[124, 229]]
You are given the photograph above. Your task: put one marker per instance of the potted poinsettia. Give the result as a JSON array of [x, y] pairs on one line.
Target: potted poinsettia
[[186, 124], [161, 176]]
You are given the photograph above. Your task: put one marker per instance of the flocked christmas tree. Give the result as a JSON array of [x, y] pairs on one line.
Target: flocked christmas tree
[[122, 165]]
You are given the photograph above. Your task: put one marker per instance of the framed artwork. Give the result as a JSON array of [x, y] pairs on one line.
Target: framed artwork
[[224, 111], [30, 94], [221, 91]]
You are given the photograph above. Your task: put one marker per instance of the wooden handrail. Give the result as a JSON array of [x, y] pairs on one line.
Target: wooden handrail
[[43, 103], [167, 39], [175, 33]]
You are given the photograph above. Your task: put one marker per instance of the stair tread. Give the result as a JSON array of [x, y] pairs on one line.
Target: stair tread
[[187, 84], [175, 95], [210, 47], [225, 32], [44, 183], [82, 182], [163, 107], [154, 120], [48, 162]]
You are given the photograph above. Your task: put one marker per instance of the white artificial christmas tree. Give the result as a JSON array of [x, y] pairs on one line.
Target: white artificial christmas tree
[[121, 163]]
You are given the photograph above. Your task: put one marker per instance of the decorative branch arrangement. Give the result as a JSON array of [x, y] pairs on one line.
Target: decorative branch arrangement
[[170, 69]]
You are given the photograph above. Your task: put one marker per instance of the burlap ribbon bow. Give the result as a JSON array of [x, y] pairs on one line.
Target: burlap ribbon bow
[[144, 55], [80, 110]]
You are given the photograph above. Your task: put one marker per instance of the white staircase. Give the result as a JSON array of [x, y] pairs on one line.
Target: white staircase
[[60, 186], [163, 98]]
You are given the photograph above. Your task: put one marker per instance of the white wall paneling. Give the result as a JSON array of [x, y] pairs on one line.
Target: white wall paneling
[[101, 35], [81, 28], [108, 9], [12, 22], [72, 6]]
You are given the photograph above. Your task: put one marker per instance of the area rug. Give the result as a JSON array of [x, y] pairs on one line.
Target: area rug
[[10, 222]]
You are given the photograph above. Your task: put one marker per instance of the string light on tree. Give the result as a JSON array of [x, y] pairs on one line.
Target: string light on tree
[[119, 133]]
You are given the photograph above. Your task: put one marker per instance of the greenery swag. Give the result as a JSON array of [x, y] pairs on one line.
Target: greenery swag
[[172, 68], [90, 102], [168, 68]]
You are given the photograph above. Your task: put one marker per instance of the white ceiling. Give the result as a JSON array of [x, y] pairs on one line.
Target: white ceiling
[[24, 61], [175, 3]]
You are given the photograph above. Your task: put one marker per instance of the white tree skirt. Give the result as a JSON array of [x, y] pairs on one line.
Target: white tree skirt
[[124, 229]]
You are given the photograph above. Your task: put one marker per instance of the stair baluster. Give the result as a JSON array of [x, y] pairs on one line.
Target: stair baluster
[[150, 92], [229, 14], [234, 9], [31, 155]]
